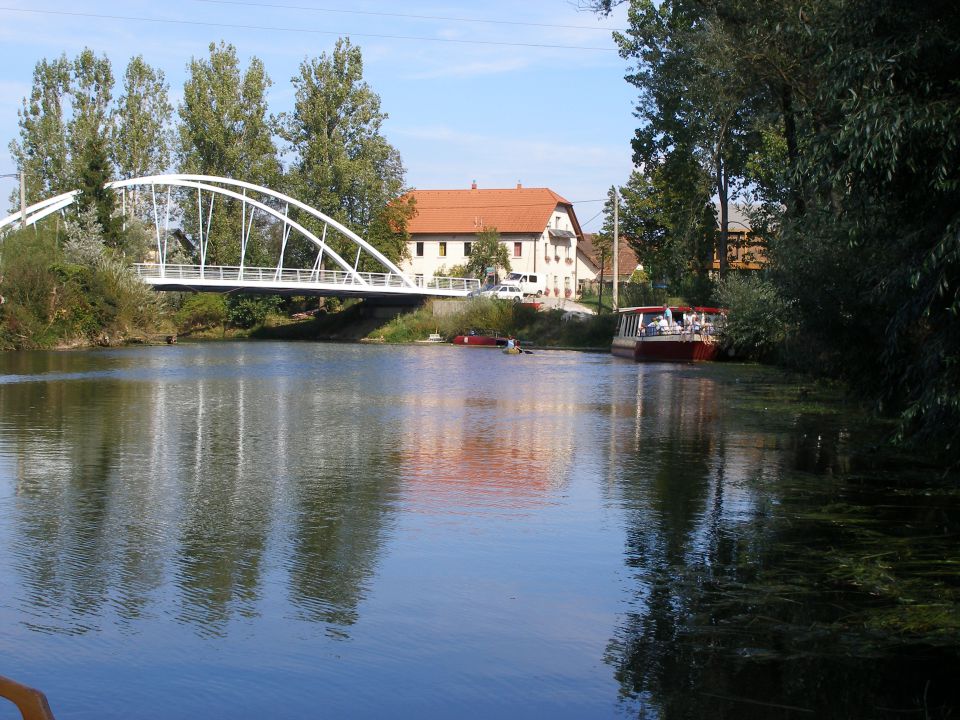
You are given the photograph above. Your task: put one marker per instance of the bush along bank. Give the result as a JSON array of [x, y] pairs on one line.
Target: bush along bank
[[65, 287]]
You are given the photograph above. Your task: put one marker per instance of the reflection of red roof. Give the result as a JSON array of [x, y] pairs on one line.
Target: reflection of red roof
[[514, 210]]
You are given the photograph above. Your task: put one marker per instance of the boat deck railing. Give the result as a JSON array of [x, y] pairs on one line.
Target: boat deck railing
[[31, 703]]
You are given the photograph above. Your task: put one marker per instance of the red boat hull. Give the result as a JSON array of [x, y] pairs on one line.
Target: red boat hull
[[480, 341], [665, 349]]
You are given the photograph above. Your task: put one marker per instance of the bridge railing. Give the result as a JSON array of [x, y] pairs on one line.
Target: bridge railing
[[294, 276]]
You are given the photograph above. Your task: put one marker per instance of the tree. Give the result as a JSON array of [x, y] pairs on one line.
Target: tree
[[140, 140], [95, 173], [694, 99], [667, 218], [92, 94], [42, 149], [388, 229], [342, 164], [488, 252], [224, 130], [840, 117], [603, 250]]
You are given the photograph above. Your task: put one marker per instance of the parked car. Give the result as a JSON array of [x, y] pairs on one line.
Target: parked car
[[530, 283], [504, 291]]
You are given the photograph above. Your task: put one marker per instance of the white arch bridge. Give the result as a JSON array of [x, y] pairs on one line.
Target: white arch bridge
[[329, 274]]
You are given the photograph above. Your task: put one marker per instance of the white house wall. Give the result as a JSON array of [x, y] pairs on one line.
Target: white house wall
[[555, 258]]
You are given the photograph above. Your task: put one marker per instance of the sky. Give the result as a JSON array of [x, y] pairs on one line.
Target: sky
[[500, 93]]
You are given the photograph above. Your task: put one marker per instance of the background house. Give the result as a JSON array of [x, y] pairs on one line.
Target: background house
[[538, 227], [743, 252], [627, 262]]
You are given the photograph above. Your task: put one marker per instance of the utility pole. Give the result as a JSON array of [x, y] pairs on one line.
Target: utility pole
[[616, 248], [23, 200]]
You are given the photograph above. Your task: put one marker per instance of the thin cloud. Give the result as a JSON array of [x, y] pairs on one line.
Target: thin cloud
[[472, 69]]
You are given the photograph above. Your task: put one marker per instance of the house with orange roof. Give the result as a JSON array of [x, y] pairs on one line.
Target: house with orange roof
[[538, 227]]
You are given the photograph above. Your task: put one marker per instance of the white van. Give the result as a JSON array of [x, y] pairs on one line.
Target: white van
[[530, 283]]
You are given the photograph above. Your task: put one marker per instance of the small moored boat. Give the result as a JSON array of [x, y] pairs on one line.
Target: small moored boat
[[669, 334], [480, 340]]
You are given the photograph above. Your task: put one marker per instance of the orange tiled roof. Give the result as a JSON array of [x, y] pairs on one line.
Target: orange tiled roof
[[627, 259], [513, 210]]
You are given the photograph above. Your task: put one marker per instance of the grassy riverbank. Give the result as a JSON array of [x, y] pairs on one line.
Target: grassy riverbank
[[359, 321]]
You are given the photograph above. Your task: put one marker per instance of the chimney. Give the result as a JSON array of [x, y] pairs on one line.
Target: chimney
[[474, 185], [519, 186]]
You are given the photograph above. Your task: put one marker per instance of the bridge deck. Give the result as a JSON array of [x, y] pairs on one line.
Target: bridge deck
[[292, 281]]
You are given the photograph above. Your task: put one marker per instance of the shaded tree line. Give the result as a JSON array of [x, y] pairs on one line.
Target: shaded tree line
[[838, 123]]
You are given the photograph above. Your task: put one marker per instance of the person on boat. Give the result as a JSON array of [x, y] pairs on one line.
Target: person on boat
[[511, 343], [663, 325], [652, 326], [695, 322]]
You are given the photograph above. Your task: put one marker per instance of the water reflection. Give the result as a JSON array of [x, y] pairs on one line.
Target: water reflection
[[742, 608], [125, 491], [446, 525]]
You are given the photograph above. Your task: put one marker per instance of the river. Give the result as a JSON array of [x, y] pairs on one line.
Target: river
[[250, 530]]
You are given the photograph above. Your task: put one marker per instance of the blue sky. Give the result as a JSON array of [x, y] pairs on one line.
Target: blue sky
[[468, 99]]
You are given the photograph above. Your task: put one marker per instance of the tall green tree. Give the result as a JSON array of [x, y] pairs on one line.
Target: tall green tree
[[667, 218], [878, 174], [388, 230], [41, 152], [95, 173], [343, 164], [140, 136], [225, 130], [693, 98], [488, 252], [92, 98]]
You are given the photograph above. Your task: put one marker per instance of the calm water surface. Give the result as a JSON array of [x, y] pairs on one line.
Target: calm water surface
[[298, 530]]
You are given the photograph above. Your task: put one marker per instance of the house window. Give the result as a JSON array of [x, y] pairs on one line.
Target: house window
[[467, 246], [443, 249], [419, 249], [418, 278], [518, 249]]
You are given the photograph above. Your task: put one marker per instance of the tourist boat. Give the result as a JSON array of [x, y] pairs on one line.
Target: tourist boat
[[684, 334], [480, 340]]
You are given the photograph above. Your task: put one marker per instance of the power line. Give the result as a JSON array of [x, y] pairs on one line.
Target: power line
[[238, 26], [279, 6]]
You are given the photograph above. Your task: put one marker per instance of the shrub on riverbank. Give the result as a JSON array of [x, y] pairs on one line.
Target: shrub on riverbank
[[78, 292], [757, 323], [201, 311]]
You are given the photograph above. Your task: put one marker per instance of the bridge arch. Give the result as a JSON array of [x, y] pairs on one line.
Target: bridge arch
[[221, 186]]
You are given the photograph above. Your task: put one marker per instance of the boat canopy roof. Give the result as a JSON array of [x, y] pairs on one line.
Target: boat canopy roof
[[673, 309]]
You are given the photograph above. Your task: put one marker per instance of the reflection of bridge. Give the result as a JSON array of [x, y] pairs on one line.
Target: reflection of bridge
[[330, 273]]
